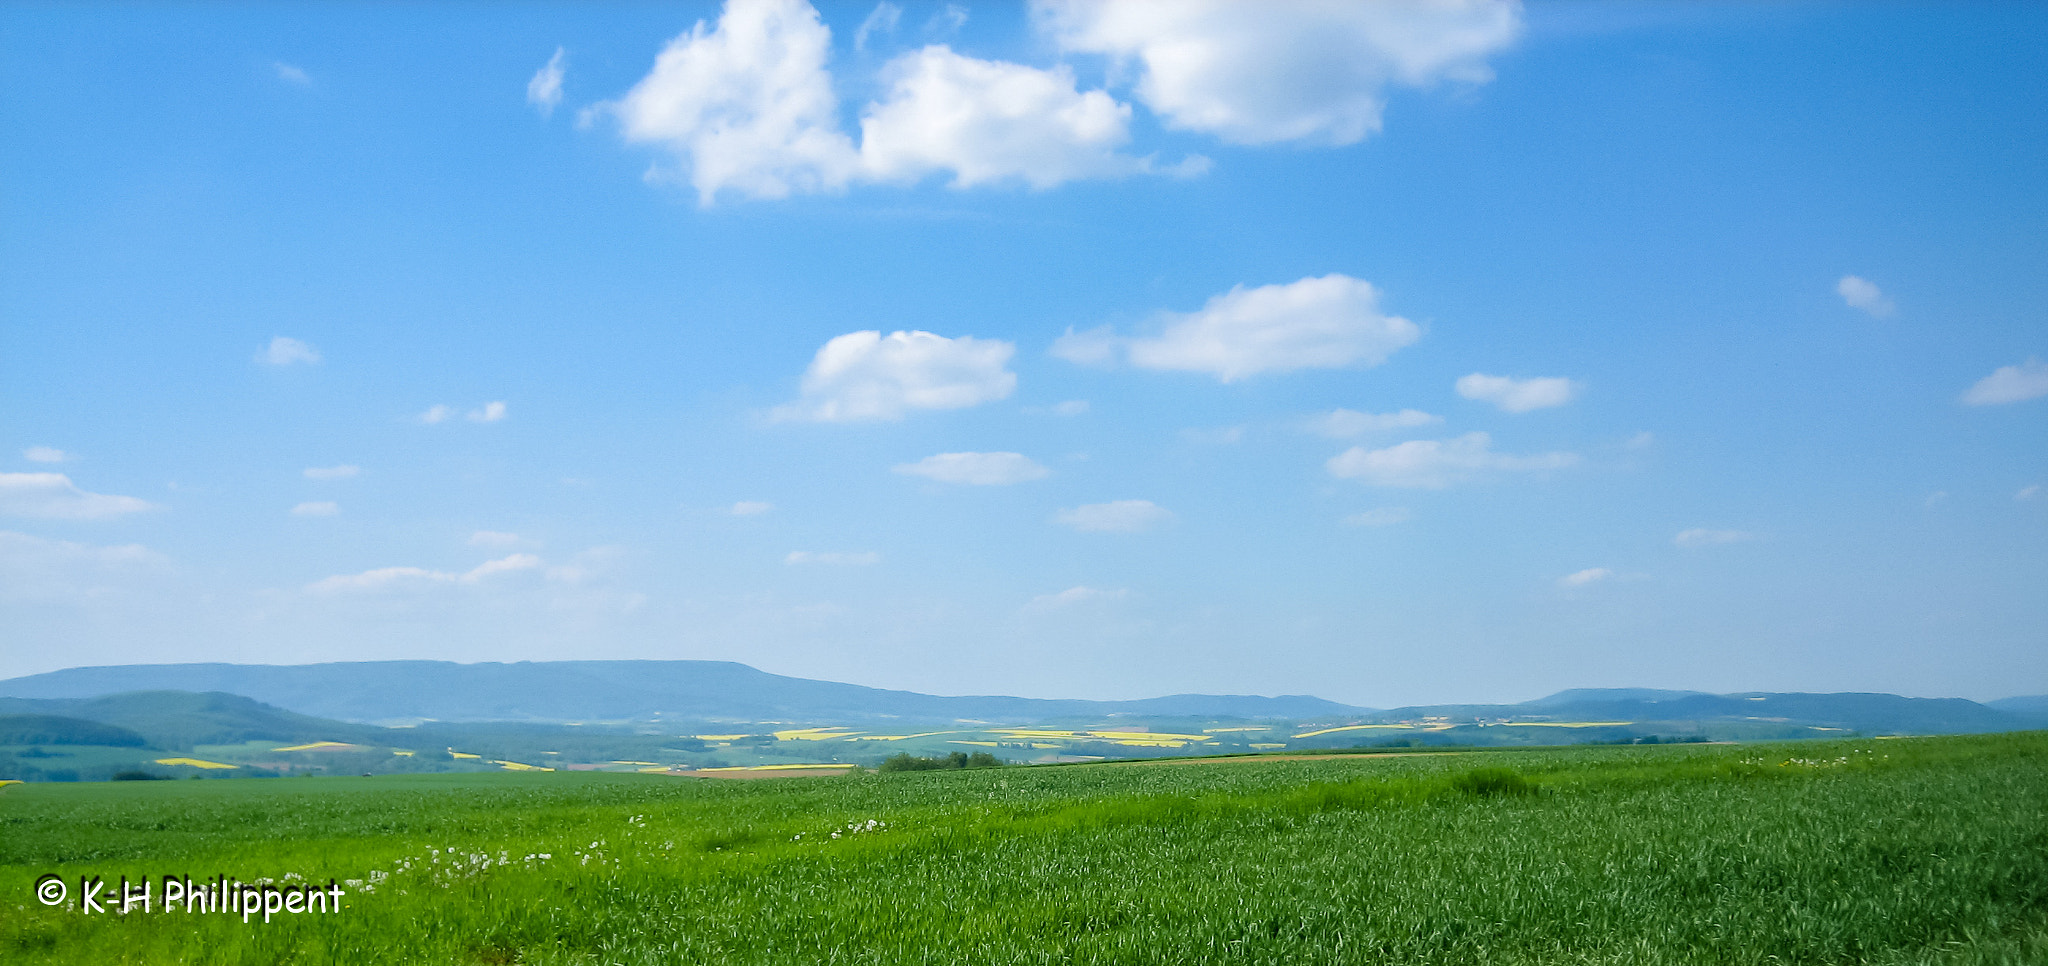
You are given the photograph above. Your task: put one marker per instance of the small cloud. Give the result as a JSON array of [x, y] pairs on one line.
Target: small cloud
[[1344, 423], [882, 20], [1642, 440], [2028, 492], [1331, 322], [1072, 407], [316, 508], [53, 496], [750, 508], [391, 579], [544, 91], [46, 454], [1861, 293], [977, 469], [862, 376], [2010, 384], [341, 472], [797, 557], [1590, 575], [1518, 395], [498, 540], [285, 351], [290, 74], [1116, 516], [434, 414], [1385, 516], [1073, 596], [1435, 464], [490, 413], [947, 21], [1703, 537]]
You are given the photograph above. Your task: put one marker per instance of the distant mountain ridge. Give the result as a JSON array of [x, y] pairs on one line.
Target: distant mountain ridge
[[609, 691]]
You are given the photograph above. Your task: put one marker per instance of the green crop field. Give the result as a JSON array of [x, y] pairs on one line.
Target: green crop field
[[1931, 850]]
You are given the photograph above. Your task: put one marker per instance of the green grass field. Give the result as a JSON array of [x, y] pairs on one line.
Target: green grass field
[[1931, 850]]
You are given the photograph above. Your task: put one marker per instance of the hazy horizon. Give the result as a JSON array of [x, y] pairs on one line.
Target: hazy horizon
[[1458, 353]]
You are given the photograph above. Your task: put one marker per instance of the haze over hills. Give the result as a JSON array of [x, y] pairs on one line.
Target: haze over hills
[[644, 691], [609, 691]]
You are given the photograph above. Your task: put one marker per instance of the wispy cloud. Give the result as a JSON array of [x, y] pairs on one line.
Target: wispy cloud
[[284, 351], [341, 472], [2010, 384], [53, 496], [1518, 395], [1116, 516], [544, 90], [316, 508], [395, 579], [1345, 423], [882, 20], [750, 508], [1704, 537], [799, 557], [1434, 464], [1861, 293], [290, 74], [46, 454], [1385, 516], [1590, 575], [1074, 596], [976, 469], [490, 412]]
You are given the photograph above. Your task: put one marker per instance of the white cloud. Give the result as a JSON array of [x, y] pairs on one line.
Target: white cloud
[[1315, 323], [410, 578], [883, 19], [1385, 516], [1518, 395], [290, 74], [544, 91], [316, 508], [490, 413], [749, 508], [497, 540], [1073, 596], [1641, 440], [1434, 464], [2028, 492], [867, 376], [978, 469], [434, 414], [2010, 384], [1587, 576], [1116, 516], [39, 570], [1257, 73], [54, 496], [796, 557], [746, 106], [1344, 423], [1703, 537], [1863, 294], [986, 122], [341, 472], [46, 454], [284, 351], [1072, 407]]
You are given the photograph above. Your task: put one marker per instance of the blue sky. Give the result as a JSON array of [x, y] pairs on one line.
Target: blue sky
[[1464, 351]]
